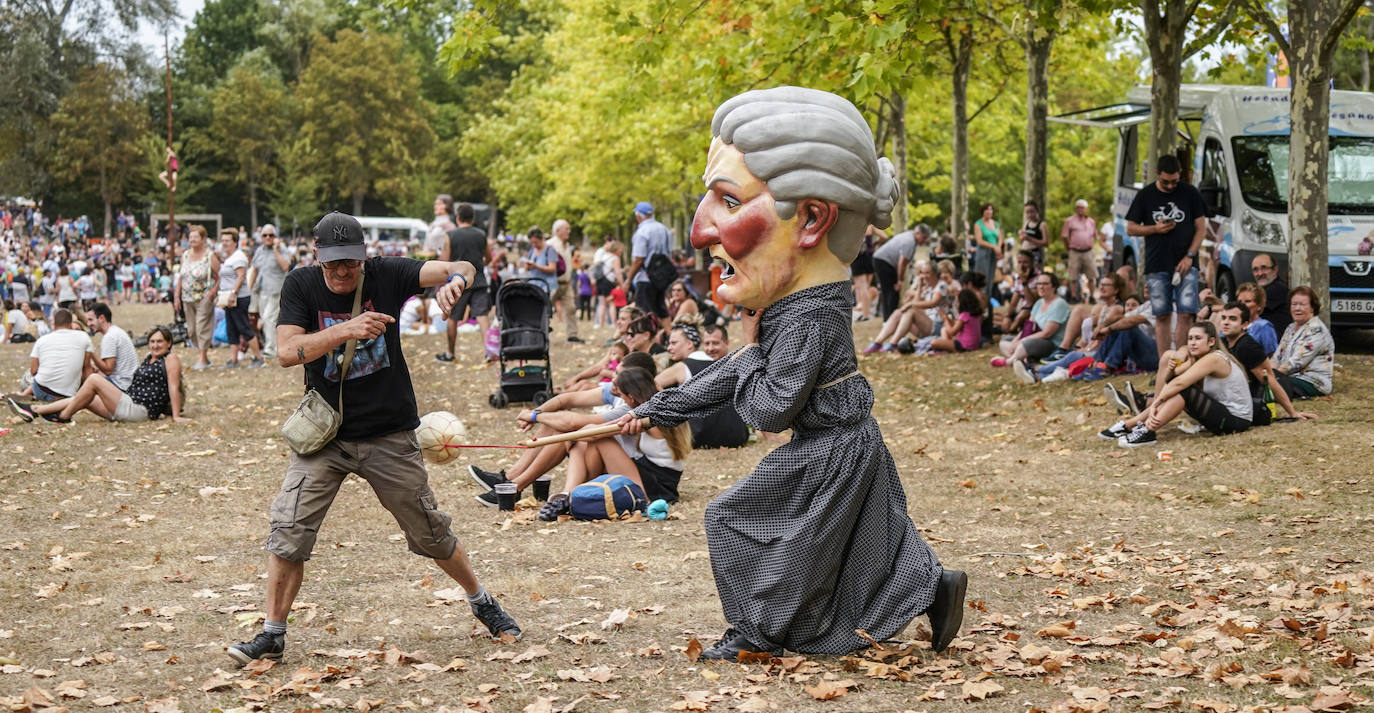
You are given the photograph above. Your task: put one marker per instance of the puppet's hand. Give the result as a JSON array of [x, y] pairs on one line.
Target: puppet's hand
[[750, 323]]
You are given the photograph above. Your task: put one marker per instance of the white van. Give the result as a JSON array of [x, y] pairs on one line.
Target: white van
[[395, 236], [1237, 141]]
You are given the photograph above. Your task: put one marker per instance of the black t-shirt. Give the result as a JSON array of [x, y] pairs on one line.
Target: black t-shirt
[[1250, 354], [1276, 306], [721, 429], [1183, 205], [378, 396], [469, 244]]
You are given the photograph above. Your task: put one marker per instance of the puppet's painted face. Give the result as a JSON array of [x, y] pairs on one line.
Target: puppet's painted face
[[739, 224]]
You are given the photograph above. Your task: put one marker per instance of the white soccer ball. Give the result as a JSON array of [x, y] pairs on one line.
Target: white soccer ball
[[438, 433]]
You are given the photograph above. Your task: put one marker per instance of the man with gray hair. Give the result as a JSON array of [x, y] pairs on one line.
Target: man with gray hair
[[564, 296], [1080, 234], [816, 544]]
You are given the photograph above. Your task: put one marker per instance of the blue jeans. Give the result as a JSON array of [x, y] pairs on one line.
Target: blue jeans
[[44, 395], [1166, 298], [1128, 345], [1047, 369]]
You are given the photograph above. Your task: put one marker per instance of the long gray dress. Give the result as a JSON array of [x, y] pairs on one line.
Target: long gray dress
[[816, 542]]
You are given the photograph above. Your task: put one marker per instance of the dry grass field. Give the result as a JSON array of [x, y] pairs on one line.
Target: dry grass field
[[1234, 577]]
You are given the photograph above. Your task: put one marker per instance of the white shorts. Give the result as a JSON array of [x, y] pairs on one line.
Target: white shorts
[[127, 410]]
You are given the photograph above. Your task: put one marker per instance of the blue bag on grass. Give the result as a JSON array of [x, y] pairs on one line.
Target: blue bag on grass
[[605, 497]]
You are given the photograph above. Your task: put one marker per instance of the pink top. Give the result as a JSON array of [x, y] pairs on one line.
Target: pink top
[[1079, 233], [972, 333]]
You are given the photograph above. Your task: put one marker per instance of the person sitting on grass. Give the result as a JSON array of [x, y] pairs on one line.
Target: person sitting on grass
[[963, 333], [1234, 318], [653, 459], [154, 391], [703, 346], [1048, 315], [608, 366], [911, 317], [1306, 355], [1260, 329], [553, 417], [1096, 326], [1204, 381]]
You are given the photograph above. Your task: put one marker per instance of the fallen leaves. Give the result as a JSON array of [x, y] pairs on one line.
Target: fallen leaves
[[829, 690]]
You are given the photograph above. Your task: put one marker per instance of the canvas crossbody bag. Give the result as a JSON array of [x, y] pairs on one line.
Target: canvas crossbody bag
[[314, 423]]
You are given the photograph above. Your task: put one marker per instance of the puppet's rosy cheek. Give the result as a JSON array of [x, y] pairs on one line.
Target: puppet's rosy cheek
[[747, 229]]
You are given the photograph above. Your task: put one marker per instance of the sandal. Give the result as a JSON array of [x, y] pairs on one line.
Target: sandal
[[557, 505]]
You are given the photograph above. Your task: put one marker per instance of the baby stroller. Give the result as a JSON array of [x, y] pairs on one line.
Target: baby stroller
[[523, 308]]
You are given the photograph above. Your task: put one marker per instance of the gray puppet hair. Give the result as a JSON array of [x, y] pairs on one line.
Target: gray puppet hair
[[806, 143]]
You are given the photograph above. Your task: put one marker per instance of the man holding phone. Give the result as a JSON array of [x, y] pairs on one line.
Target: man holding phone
[[1172, 217]]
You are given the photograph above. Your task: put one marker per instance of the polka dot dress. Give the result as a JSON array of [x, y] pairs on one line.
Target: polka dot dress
[[149, 387], [816, 542]]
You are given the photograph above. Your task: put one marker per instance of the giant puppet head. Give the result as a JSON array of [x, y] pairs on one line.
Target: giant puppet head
[[792, 182]]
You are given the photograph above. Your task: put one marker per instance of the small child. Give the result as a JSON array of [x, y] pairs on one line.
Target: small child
[[585, 295], [960, 334], [614, 354], [618, 297]]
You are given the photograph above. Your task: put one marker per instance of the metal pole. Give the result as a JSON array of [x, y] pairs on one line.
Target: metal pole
[[171, 195]]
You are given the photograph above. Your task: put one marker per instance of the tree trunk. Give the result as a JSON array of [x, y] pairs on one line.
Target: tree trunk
[[1038, 44], [252, 205], [961, 56], [1315, 26], [900, 219], [1164, 36], [357, 203]]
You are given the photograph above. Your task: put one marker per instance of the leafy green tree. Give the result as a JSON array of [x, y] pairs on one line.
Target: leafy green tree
[[295, 189], [363, 120], [100, 127], [219, 34], [251, 121]]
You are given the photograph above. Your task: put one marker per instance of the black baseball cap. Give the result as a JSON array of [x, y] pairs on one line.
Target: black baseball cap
[[339, 236]]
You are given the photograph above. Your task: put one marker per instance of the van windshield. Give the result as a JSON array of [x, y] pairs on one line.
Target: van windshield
[[1262, 164]]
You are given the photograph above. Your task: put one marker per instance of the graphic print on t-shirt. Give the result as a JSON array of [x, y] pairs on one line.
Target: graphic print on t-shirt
[[369, 357], [1168, 213]]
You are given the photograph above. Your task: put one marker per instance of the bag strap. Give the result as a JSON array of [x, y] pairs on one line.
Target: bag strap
[[352, 344], [611, 510]]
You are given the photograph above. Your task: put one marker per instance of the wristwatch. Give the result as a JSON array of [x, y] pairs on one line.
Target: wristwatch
[[458, 275], [534, 416], [1192, 256]]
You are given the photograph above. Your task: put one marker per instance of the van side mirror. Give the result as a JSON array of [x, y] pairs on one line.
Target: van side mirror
[[1214, 196]]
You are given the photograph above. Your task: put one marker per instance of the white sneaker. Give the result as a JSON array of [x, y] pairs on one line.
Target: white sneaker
[[1024, 374], [1059, 374]]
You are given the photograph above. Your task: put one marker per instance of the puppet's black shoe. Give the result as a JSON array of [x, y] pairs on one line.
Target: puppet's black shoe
[[947, 611], [730, 646]]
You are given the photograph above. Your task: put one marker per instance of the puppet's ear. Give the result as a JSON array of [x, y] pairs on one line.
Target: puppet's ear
[[816, 217]]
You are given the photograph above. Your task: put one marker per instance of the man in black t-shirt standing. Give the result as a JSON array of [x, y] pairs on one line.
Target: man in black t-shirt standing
[[1235, 317], [468, 244], [1172, 218], [376, 439]]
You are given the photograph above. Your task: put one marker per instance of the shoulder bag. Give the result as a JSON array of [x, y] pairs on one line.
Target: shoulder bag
[[314, 423]]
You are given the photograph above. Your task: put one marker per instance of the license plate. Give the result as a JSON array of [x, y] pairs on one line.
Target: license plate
[[1352, 305]]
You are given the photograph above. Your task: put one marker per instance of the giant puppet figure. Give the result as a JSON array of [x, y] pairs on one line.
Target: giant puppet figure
[[816, 543]]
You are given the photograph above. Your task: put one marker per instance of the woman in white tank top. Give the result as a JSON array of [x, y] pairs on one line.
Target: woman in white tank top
[[1207, 383]]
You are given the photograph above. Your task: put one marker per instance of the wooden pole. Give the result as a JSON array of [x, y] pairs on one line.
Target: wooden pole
[[171, 195]]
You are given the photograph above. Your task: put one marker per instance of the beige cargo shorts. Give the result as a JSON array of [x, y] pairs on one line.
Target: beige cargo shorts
[[390, 464]]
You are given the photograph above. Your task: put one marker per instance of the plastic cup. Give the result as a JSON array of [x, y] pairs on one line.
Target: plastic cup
[[505, 495], [1166, 455], [541, 488]]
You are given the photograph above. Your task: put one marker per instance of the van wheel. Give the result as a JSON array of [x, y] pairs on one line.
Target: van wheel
[[1225, 288]]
